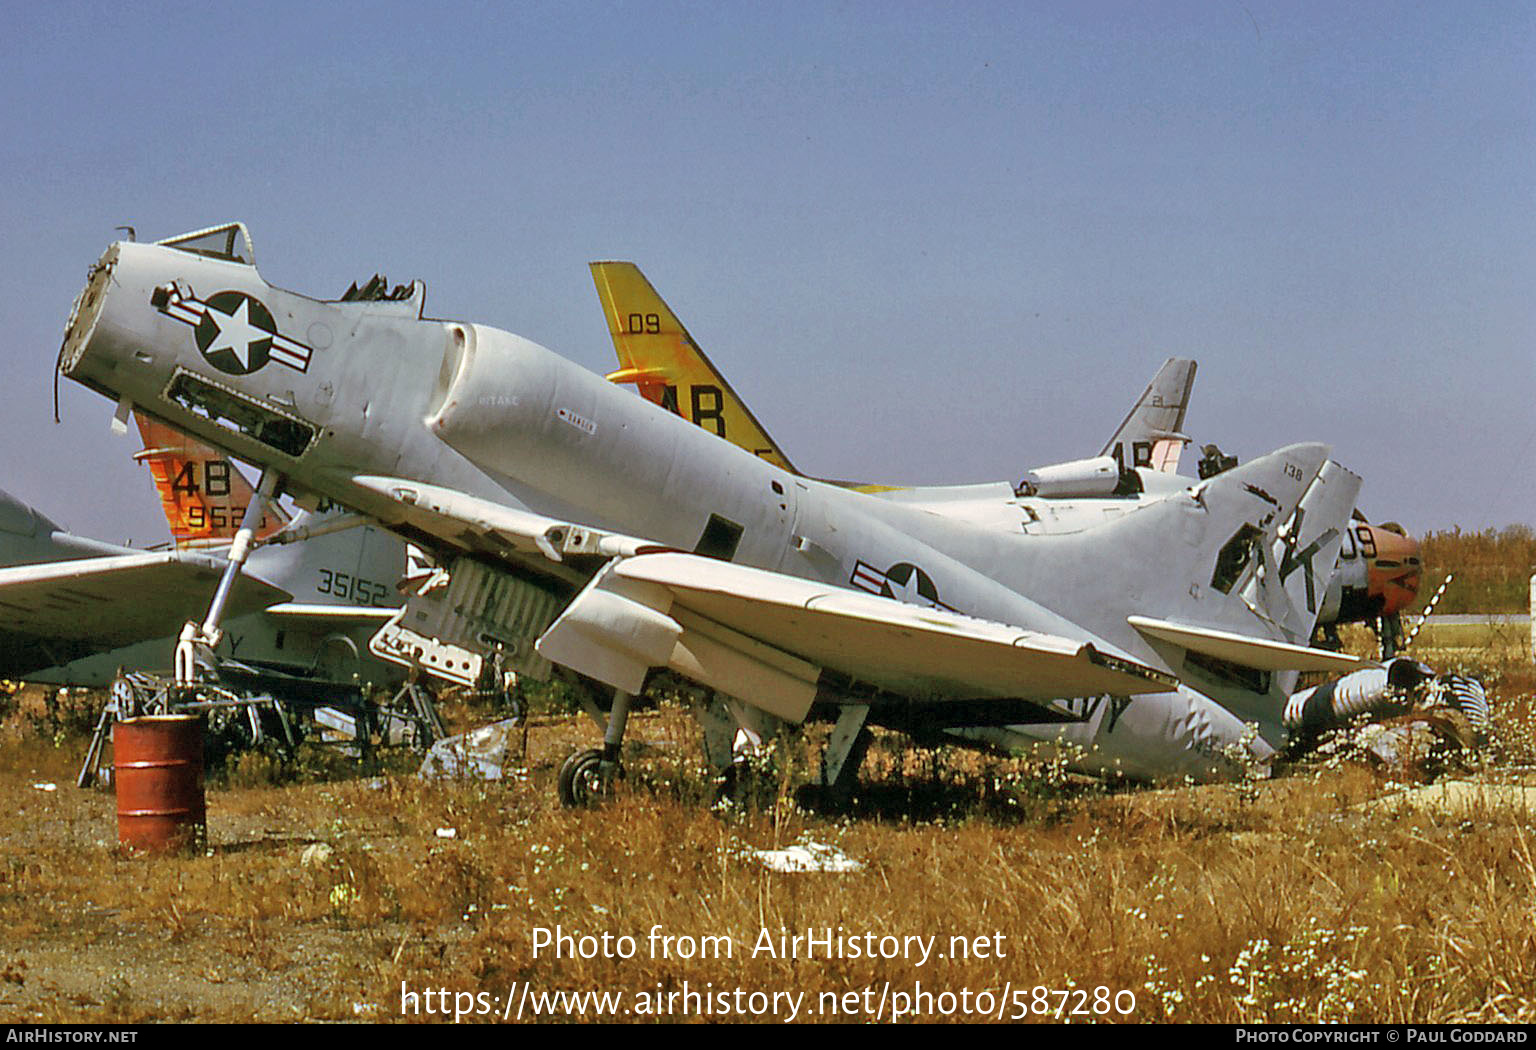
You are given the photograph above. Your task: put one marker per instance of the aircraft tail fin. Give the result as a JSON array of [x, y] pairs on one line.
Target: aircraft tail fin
[[203, 495], [1152, 435], [1234, 529], [1306, 551], [1203, 561], [658, 355], [1283, 576]]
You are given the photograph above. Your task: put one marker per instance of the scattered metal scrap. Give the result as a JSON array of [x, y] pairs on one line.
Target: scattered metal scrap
[[251, 710], [483, 754], [1402, 717], [807, 856]]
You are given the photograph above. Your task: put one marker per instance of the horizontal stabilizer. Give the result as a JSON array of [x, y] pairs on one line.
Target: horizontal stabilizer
[[1258, 653]]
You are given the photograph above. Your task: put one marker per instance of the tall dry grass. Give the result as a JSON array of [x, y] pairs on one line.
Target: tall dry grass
[[1493, 569], [1321, 894]]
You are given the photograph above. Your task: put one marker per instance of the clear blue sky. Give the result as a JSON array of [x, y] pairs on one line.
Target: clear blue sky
[[929, 243]]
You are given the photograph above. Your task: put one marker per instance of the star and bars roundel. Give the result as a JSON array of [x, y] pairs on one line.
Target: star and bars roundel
[[235, 332]]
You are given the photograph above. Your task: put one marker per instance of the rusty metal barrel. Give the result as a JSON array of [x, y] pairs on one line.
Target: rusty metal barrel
[[158, 771]]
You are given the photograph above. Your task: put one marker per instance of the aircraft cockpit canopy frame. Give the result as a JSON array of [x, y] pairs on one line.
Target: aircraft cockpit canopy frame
[[230, 242]]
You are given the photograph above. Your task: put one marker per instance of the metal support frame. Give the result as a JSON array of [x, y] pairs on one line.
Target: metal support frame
[[239, 550], [422, 707]]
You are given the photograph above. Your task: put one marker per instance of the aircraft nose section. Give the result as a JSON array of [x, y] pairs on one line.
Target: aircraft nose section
[[85, 314], [1397, 568], [138, 299]]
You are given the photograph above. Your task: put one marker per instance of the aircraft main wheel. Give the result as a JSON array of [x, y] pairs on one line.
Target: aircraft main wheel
[[581, 780], [125, 697]]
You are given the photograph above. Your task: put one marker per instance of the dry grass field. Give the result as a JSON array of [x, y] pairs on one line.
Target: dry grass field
[[1327, 893], [1492, 569]]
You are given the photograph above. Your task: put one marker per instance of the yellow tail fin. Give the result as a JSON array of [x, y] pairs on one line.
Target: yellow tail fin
[[658, 355], [204, 495]]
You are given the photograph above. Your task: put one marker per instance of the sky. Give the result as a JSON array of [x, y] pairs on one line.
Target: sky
[[927, 243]]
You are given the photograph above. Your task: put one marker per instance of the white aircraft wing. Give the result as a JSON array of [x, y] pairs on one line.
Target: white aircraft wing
[[893, 644], [767, 638], [763, 637], [461, 518], [119, 599], [302, 611]]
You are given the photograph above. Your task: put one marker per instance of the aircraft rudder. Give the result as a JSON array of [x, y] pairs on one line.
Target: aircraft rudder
[[1308, 552], [1233, 543]]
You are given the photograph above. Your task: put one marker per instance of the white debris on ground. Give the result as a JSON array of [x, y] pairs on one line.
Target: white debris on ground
[[1465, 800], [1421, 744], [807, 856], [481, 754], [316, 854]]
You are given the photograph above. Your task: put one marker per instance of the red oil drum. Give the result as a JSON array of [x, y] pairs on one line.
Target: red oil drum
[[158, 766]]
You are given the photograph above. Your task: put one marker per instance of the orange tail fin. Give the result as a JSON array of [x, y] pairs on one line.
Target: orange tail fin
[[204, 495]]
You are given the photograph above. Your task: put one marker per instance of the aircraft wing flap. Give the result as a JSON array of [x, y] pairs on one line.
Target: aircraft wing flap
[[120, 599], [889, 644], [1260, 654]]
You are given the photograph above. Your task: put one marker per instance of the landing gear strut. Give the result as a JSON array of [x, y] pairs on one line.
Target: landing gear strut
[[844, 755], [589, 775], [1390, 634]]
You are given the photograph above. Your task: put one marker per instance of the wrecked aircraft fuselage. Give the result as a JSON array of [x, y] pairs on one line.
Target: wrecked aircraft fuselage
[[1141, 650]]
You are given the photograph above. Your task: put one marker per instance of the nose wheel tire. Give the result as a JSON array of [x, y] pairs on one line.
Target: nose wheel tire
[[584, 780]]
